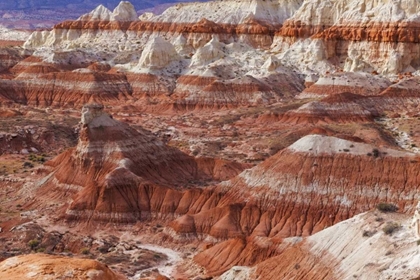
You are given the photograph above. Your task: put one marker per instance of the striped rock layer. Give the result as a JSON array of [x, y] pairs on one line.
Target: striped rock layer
[[217, 55]]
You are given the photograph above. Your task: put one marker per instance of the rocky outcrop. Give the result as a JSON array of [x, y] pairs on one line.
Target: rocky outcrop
[[42, 266], [360, 246], [339, 108], [210, 41], [267, 11], [359, 83], [45, 86], [336, 180], [356, 35], [211, 92], [182, 44], [315, 183], [183, 60], [112, 179], [257, 55], [254, 19], [218, 53], [239, 252], [158, 53], [379, 21], [118, 174]]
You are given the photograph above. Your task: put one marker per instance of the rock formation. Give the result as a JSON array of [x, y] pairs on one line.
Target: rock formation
[[223, 43], [216, 47], [359, 35], [340, 108], [158, 53], [355, 82], [42, 266], [358, 247], [309, 94], [179, 46], [118, 174], [273, 190], [255, 17], [315, 183]]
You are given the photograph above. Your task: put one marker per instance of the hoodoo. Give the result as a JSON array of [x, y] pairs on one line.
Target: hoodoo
[[119, 174], [112, 165]]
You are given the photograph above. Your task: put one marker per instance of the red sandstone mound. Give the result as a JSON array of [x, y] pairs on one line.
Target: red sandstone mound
[[99, 67], [359, 83], [9, 57], [345, 107], [46, 86], [407, 88], [33, 81], [193, 92], [150, 90], [32, 71], [11, 93], [31, 66], [119, 174], [77, 88], [52, 84], [403, 96], [289, 187], [315, 183], [42, 266], [342, 108]]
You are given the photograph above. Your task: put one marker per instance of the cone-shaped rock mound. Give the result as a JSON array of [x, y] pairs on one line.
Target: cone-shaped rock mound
[[119, 174]]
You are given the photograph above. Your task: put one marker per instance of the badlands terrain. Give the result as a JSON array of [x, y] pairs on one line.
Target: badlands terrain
[[237, 139]]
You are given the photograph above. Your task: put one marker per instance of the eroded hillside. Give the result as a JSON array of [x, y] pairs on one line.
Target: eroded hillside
[[220, 139]]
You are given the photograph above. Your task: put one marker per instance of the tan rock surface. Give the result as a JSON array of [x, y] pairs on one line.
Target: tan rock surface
[[357, 247], [42, 266]]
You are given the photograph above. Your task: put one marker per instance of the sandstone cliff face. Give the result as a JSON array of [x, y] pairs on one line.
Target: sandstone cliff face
[[269, 11], [355, 35], [255, 18]]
